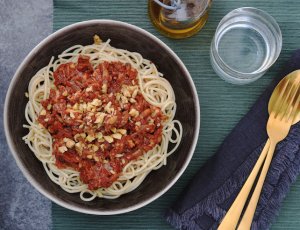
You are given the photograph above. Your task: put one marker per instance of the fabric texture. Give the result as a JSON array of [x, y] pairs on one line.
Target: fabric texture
[[215, 186], [23, 25]]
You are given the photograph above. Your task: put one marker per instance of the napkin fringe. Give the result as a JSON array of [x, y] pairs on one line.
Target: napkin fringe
[[209, 205], [284, 171]]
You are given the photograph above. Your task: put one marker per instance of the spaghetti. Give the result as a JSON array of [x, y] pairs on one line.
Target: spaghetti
[[146, 95]]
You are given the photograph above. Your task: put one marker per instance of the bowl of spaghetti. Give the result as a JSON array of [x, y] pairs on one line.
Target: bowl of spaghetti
[[102, 117]]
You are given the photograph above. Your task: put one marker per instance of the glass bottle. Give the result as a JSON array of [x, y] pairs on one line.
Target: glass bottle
[[178, 18]]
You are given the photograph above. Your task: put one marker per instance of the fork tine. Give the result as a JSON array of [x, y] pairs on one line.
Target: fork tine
[[288, 99], [282, 98], [295, 106], [281, 95]]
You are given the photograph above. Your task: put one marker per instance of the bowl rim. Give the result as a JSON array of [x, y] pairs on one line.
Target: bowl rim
[[23, 169]]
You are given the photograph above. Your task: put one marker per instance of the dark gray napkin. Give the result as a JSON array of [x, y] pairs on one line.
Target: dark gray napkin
[[213, 189], [22, 25]]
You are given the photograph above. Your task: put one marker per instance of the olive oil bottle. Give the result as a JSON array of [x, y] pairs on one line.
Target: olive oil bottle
[[185, 21]]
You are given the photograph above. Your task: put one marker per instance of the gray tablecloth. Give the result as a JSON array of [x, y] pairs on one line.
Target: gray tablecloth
[[23, 24]]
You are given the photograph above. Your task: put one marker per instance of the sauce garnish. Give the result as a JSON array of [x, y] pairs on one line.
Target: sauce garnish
[[99, 120]]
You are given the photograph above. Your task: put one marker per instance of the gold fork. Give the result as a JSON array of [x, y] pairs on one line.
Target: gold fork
[[278, 126], [279, 97]]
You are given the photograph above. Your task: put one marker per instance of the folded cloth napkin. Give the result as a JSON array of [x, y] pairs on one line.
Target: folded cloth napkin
[[23, 25], [213, 189]]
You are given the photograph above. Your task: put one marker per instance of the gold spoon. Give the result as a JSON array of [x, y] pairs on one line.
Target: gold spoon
[[233, 215], [280, 121]]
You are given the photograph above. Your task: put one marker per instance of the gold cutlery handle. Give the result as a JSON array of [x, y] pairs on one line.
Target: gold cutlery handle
[[246, 221], [232, 217]]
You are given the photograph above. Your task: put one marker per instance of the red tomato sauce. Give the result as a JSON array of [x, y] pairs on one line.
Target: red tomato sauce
[[99, 120]]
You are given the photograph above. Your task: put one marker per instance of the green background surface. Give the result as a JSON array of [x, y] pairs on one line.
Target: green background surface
[[222, 104]]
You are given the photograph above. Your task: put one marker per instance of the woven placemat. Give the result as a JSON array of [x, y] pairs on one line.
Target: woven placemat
[[222, 104]]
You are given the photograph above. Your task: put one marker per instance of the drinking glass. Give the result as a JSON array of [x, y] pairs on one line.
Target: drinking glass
[[246, 43]]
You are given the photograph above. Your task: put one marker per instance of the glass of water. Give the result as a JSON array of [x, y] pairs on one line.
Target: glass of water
[[246, 43]]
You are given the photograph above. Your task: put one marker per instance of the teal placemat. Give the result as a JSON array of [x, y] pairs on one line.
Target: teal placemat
[[222, 104]]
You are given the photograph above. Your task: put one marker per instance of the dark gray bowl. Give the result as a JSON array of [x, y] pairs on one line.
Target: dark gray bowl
[[124, 36]]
